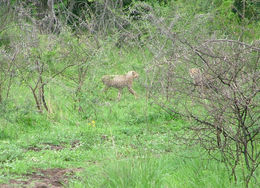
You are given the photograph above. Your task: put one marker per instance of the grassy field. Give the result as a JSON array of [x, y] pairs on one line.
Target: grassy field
[[130, 143]]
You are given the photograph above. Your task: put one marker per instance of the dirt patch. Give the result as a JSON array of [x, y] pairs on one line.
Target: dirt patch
[[75, 144], [49, 178], [34, 148], [55, 147], [48, 146]]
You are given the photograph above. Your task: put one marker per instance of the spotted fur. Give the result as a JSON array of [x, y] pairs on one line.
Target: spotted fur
[[120, 81]]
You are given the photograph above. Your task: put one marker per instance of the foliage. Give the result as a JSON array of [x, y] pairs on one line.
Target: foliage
[[247, 9]]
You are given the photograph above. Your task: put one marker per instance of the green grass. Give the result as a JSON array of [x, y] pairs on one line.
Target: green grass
[[130, 143]]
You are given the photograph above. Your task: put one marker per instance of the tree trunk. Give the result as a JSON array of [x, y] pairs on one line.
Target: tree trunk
[[43, 98], [38, 104], [1, 98]]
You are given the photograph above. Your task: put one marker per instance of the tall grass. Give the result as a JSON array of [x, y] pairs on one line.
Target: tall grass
[[168, 170]]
